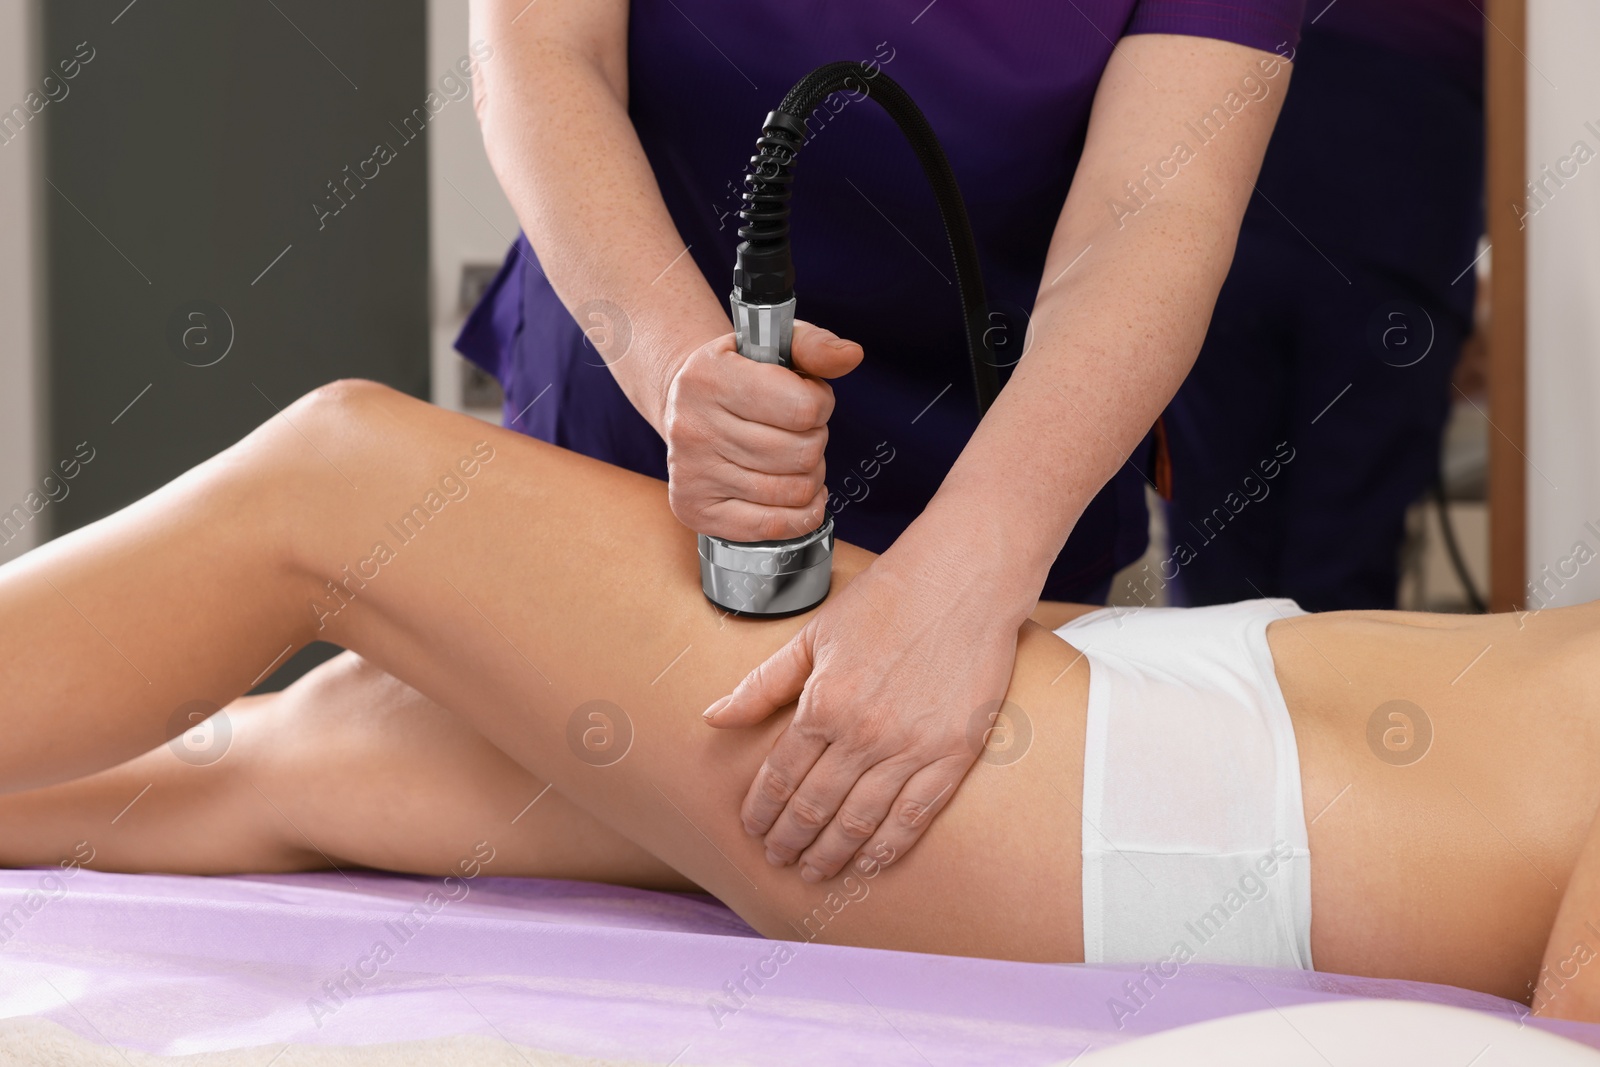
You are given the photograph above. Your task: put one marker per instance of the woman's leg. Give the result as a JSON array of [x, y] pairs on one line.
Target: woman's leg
[[348, 767], [528, 590]]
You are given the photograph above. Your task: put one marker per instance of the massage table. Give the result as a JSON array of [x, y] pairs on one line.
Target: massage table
[[135, 969]]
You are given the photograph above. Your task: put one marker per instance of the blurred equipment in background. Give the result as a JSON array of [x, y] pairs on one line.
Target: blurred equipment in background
[[1445, 560]]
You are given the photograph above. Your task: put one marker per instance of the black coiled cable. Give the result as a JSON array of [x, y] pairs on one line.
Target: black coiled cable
[[764, 270]]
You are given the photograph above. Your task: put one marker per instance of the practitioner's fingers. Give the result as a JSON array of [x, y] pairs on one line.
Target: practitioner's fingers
[[777, 681], [757, 522], [786, 766], [913, 811], [812, 805], [745, 442], [755, 446], [762, 392], [855, 823], [772, 490], [822, 352]]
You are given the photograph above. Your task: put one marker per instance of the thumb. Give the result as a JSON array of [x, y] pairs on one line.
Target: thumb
[[777, 682], [822, 353]]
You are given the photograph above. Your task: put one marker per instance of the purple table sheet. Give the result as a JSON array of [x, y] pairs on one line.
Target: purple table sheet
[[171, 965]]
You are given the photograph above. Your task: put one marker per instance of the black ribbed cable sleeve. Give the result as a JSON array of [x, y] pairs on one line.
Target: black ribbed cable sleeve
[[765, 271]]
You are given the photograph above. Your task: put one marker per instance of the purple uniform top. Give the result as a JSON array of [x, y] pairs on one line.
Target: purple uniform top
[[1007, 88]]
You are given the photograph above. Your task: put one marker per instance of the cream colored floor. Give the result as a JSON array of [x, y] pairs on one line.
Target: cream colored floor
[[28, 1042]]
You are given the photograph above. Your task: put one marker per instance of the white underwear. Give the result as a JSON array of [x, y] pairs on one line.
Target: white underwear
[[1194, 831]]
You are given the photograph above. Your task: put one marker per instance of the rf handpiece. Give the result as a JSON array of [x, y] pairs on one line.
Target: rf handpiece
[[767, 578]]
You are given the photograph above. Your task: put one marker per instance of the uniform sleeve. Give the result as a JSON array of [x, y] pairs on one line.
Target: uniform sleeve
[[1270, 25]]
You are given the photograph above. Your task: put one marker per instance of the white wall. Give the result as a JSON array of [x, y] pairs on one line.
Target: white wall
[[1563, 299], [470, 220], [20, 430]]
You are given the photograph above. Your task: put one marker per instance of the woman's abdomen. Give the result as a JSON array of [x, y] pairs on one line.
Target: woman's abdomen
[[1445, 764]]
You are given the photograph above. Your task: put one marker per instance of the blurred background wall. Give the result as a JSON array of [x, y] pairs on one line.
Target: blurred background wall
[[1562, 214], [218, 206], [471, 224], [219, 239], [20, 425]]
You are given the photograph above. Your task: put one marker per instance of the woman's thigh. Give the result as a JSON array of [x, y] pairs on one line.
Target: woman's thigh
[[554, 602]]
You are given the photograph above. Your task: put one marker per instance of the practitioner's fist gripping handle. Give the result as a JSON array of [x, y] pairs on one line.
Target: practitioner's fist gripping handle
[[772, 578], [767, 578]]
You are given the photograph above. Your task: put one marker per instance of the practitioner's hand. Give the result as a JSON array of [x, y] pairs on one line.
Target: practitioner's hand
[[745, 439], [890, 673]]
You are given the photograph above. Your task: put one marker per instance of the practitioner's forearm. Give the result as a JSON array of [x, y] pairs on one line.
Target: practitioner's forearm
[[553, 106], [1105, 358], [1141, 249]]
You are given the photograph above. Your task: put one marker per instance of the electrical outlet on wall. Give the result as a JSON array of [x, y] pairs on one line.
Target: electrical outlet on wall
[[480, 393], [475, 279]]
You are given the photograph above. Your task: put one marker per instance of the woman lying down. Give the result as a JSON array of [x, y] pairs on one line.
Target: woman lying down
[[1374, 793]]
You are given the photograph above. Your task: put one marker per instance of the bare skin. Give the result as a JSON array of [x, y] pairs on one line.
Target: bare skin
[[556, 581]]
